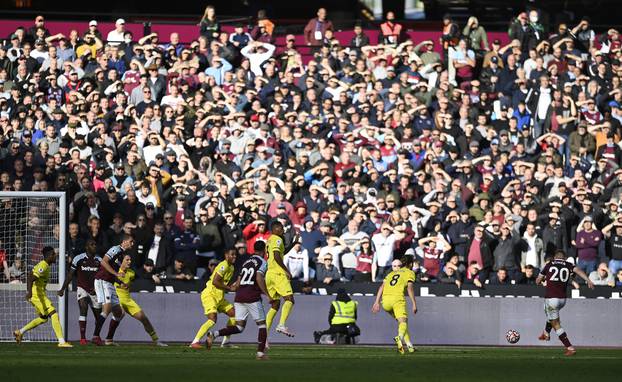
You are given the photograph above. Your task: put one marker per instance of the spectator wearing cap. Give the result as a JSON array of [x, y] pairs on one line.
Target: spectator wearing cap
[[316, 29], [383, 242], [460, 231], [186, 244], [587, 242], [179, 270], [311, 237], [116, 36]]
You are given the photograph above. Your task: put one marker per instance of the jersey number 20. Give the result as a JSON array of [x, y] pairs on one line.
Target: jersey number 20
[[560, 274], [247, 276]]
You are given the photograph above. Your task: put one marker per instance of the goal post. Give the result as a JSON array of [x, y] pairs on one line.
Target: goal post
[[30, 221]]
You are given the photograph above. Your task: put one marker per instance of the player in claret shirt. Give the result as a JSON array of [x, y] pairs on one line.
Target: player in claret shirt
[[248, 300], [84, 267], [557, 274], [37, 281]]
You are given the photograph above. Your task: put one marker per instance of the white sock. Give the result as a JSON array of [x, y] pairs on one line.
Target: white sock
[[560, 331]]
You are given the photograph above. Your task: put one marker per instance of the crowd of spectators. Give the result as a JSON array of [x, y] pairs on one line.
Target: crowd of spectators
[[480, 159]]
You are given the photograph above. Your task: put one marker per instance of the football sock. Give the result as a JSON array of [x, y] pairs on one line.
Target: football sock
[[407, 338], [58, 330], [270, 317], [203, 330], [231, 321], [33, 324], [82, 323], [287, 307], [548, 328], [563, 337], [114, 323], [402, 329], [229, 330], [153, 335], [261, 338], [99, 324]]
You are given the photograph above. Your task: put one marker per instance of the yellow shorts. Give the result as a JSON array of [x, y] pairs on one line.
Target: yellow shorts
[[278, 285], [211, 305], [42, 305], [396, 308], [130, 306]]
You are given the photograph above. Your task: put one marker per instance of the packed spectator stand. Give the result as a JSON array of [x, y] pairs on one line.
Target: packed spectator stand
[[479, 158]]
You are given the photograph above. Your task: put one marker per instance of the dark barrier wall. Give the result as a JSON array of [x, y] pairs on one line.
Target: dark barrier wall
[[440, 321]]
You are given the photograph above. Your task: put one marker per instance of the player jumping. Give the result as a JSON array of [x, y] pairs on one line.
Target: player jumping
[[248, 301], [36, 282], [127, 302], [85, 266], [213, 296], [391, 293], [557, 273], [277, 280], [105, 290]]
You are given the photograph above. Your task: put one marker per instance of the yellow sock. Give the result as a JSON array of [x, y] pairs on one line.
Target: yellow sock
[[33, 324], [203, 330], [58, 330], [270, 317], [402, 329], [154, 336], [231, 321], [287, 307], [407, 338]]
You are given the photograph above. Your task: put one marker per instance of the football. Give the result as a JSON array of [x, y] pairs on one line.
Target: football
[[512, 336]]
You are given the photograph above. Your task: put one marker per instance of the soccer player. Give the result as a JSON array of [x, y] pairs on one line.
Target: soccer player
[[127, 302], [248, 300], [557, 273], [391, 293], [84, 267], [213, 296], [105, 277], [277, 280], [36, 282]]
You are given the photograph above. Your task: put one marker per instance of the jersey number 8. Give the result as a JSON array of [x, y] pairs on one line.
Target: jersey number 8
[[394, 280], [247, 276]]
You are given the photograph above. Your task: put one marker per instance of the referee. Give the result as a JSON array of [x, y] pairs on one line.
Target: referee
[[342, 318]]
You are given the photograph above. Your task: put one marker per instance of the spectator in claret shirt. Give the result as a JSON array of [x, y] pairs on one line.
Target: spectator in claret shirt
[[587, 241]]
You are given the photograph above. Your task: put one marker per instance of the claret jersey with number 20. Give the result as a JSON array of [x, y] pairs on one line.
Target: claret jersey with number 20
[[557, 274]]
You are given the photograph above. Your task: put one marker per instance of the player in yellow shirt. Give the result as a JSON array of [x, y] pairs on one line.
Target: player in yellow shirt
[[391, 293], [277, 280], [213, 296], [36, 283], [127, 302]]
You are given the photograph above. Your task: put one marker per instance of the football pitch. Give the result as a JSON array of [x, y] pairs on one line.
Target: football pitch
[[129, 362]]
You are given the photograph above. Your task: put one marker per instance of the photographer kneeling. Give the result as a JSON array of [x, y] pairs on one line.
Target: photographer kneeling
[[342, 319]]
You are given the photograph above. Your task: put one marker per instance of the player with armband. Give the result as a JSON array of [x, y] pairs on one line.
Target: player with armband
[[84, 267], [248, 300], [391, 293], [557, 274], [36, 283], [127, 302]]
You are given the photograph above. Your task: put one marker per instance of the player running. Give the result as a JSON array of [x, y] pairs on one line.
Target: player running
[[105, 278], [557, 273], [127, 302], [248, 300], [391, 293], [277, 280], [84, 267], [36, 282], [213, 296]]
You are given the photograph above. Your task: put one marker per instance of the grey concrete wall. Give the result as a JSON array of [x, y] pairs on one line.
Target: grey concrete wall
[[440, 321]]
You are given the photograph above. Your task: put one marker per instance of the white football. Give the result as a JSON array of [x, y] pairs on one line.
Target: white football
[[512, 336]]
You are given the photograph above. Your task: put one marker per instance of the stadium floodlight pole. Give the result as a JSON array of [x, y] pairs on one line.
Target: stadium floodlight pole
[[62, 237]]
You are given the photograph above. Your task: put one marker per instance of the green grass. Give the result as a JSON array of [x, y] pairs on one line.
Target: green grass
[[45, 362]]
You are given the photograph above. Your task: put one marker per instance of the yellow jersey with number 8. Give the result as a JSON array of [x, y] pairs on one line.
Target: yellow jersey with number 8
[[396, 282]]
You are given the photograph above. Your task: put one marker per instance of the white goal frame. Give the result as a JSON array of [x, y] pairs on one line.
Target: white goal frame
[[62, 249]]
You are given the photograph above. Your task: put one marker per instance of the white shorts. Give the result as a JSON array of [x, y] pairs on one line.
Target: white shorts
[[552, 306], [106, 293], [92, 298], [254, 309]]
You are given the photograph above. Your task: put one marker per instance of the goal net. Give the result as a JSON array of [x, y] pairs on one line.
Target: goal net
[[30, 221]]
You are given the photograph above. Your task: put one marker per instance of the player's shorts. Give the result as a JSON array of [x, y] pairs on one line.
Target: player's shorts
[[92, 298], [254, 309], [552, 306], [106, 293], [130, 306], [211, 305], [395, 307], [42, 305], [278, 285]]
